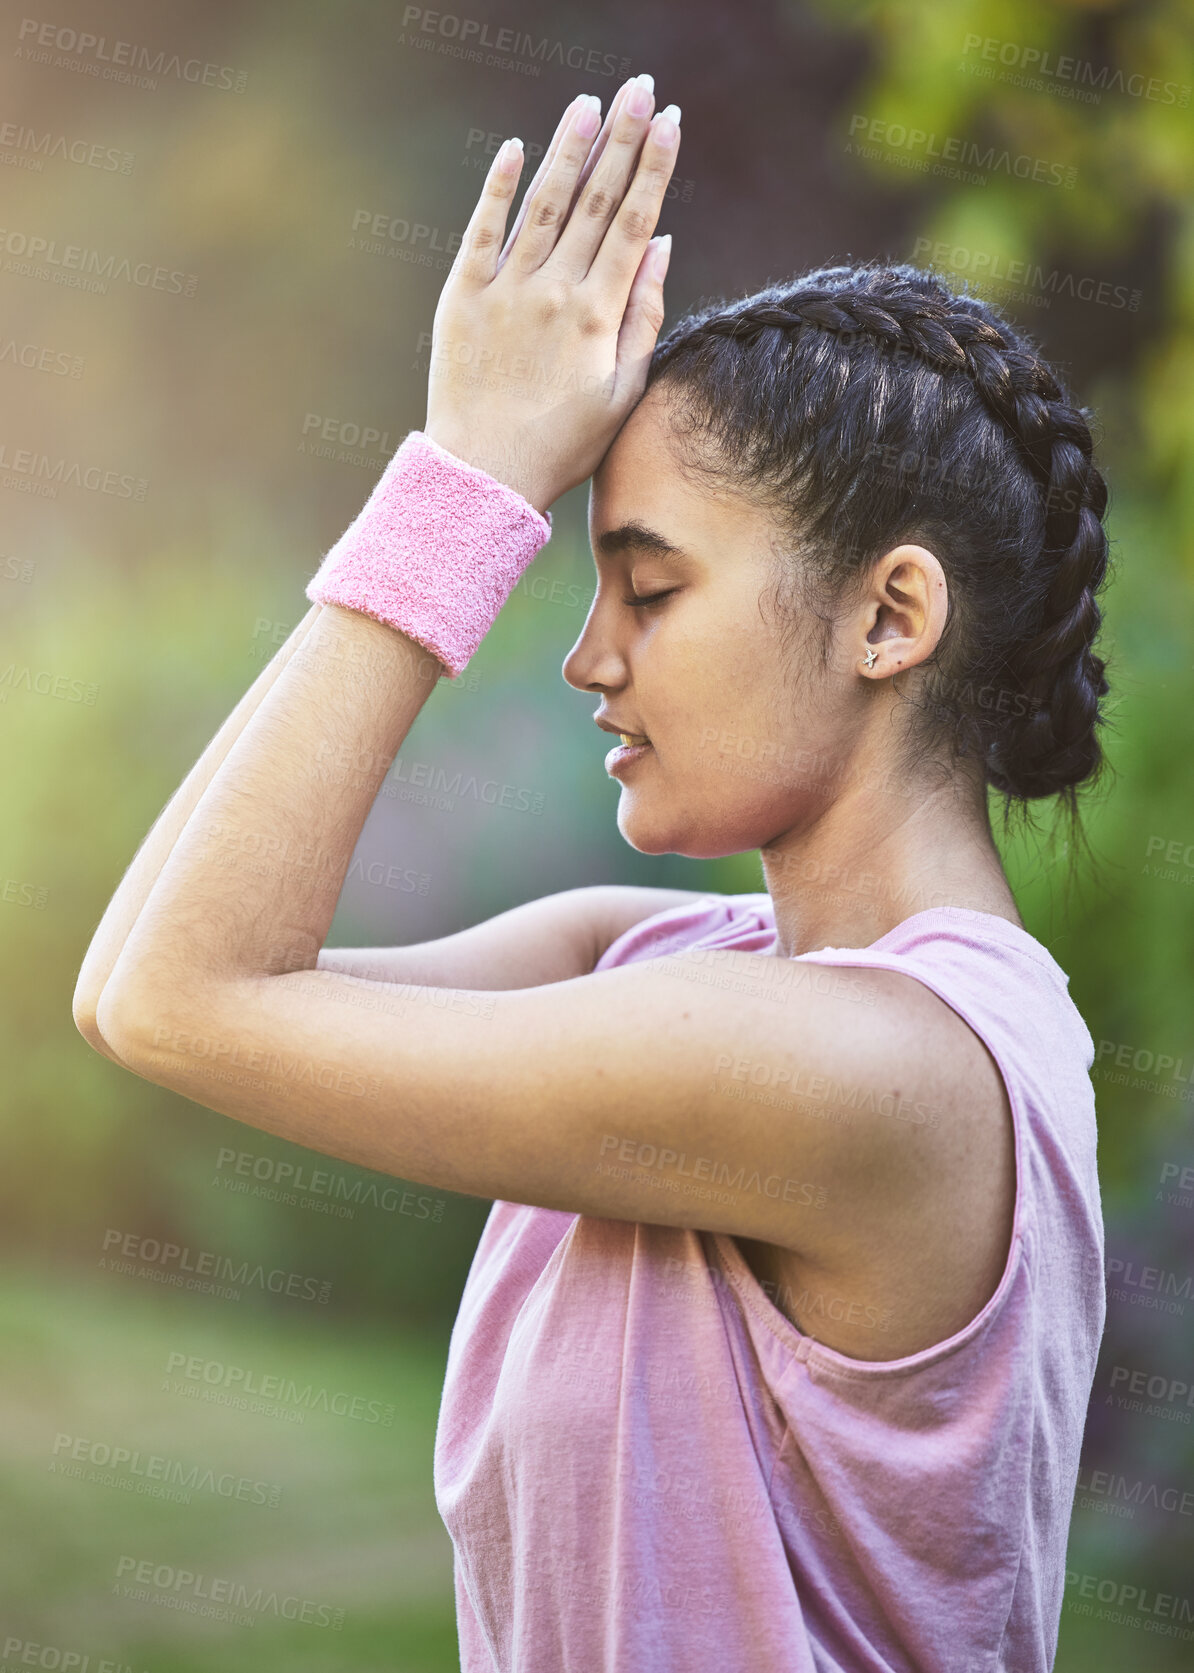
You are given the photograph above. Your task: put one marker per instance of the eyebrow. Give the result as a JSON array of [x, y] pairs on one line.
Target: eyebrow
[[637, 537]]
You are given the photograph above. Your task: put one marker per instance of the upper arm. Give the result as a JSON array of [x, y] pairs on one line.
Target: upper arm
[[615, 1094], [547, 940]]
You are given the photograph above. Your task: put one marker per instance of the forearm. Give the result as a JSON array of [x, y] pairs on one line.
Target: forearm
[[250, 886], [126, 904]]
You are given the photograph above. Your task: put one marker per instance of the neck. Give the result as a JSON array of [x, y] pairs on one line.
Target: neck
[[876, 855]]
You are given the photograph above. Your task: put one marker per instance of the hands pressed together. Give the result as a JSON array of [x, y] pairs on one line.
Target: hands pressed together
[[541, 344]]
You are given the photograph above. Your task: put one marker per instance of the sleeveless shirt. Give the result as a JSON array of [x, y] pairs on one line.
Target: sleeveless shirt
[[645, 1467]]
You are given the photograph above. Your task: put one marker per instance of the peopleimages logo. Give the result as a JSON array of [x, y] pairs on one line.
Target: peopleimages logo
[[153, 1473], [271, 1393], [501, 47], [1129, 1494], [27, 1652], [1164, 1395], [75, 264], [122, 61], [1163, 1073], [210, 1272], [289, 1182], [45, 683], [1027, 278], [1148, 1286], [1128, 1604], [30, 147], [1037, 67], [34, 358], [182, 1588], [37, 473], [952, 154]]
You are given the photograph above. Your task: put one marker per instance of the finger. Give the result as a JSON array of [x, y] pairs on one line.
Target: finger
[[540, 172], [616, 262], [642, 320], [599, 144], [477, 259], [549, 207], [597, 204]]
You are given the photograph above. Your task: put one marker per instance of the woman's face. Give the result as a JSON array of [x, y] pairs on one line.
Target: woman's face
[[746, 736]]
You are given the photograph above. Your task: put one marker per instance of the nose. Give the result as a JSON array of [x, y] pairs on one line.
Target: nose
[[594, 663]]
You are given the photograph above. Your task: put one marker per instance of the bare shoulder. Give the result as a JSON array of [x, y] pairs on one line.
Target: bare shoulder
[[915, 1147], [826, 1109]]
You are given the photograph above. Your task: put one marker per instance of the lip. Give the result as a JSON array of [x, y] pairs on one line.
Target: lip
[[607, 724], [620, 758]]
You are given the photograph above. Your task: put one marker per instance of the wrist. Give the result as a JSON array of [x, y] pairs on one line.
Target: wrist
[[436, 551], [495, 461]]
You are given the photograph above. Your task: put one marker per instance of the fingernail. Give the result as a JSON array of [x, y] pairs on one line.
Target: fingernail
[[665, 126], [647, 81], [588, 118], [639, 102], [510, 157], [663, 254]]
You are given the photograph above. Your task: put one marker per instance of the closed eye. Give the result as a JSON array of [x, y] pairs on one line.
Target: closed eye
[[649, 598]]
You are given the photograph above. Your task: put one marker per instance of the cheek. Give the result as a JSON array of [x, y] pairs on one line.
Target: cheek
[[732, 682], [733, 731], [716, 647]]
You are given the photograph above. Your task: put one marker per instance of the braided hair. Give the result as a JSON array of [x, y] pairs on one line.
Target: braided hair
[[870, 405]]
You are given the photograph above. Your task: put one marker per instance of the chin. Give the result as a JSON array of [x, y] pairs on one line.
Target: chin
[[653, 833], [642, 833]]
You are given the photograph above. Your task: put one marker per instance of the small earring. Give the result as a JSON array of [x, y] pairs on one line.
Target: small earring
[[871, 656]]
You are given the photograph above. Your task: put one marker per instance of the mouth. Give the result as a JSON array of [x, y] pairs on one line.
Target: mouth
[[634, 746]]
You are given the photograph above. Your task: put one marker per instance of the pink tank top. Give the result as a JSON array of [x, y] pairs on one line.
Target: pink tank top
[[646, 1468]]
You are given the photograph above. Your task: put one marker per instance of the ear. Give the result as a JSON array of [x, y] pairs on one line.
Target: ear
[[903, 612]]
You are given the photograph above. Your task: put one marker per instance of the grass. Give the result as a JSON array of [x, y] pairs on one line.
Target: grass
[[355, 1527]]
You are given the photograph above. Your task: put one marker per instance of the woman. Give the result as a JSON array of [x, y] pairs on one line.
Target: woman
[[776, 1348]]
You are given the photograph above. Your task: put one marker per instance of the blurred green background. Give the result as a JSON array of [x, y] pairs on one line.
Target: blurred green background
[[251, 161]]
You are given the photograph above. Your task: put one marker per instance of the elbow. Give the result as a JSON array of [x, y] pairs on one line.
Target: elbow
[[140, 1017], [121, 1015], [84, 1009], [127, 1013], [88, 1027], [116, 1025], [141, 1010], [92, 982]]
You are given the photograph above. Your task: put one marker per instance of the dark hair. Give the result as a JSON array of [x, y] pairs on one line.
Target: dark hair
[[872, 404]]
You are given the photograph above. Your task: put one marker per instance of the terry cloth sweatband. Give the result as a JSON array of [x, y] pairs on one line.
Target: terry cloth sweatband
[[436, 550]]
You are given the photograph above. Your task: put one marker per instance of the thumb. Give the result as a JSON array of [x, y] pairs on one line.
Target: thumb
[[643, 319]]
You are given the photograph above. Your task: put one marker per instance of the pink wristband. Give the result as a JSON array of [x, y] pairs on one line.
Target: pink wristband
[[435, 552]]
